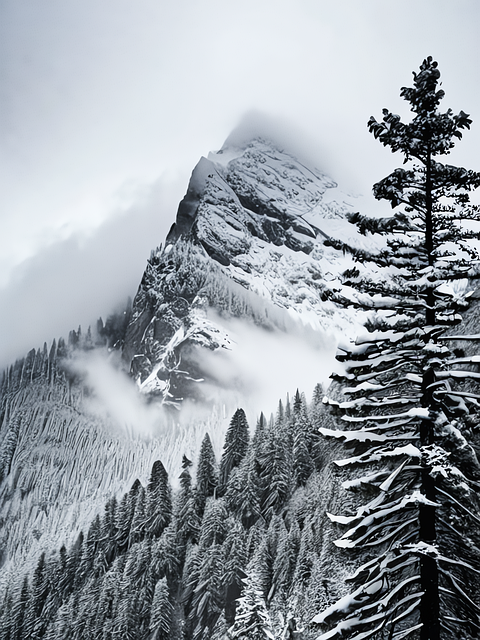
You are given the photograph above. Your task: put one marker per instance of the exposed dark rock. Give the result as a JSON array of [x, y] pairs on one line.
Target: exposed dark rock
[[163, 330], [140, 367], [187, 208]]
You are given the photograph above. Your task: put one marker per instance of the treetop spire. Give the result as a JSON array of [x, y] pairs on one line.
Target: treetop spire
[[430, 133], [424, 96]]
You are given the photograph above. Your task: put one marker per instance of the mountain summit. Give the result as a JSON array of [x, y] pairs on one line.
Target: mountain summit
[[249, 241]]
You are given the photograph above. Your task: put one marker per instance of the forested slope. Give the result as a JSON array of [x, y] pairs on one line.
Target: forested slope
[[62, 458], [157, 564]]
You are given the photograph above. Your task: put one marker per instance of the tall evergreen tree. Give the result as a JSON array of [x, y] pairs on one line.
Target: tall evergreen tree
[[207, 478], [9, 445], [108, 531], [252, 621], [234, 569], [204, 587], [214, 523], [56, 569], [303, 441], [243, 493], [62, 626], [317, 415], [275, 474], [166, 554], [235, 447], [124, 515], [161, 612], [110, 597], [188, 522], [137, 529], [418, 534], [127, 622], [159, 500], [208, 598], [33, 622], [6, 621], [89, 551], [72, 576], [19, 610], [283, 565]]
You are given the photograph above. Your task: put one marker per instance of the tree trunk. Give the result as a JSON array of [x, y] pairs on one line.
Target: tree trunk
[[430, 604], [430, 299]]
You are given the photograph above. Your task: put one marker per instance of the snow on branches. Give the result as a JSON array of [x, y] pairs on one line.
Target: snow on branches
[[408, 393]]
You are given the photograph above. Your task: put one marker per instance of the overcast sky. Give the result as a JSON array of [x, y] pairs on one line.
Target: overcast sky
[[107, 105]]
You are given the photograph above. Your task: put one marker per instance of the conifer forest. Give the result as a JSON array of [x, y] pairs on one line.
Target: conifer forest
[[350, 515]]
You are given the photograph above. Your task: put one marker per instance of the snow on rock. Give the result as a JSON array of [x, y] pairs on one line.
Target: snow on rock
[[250, 235]]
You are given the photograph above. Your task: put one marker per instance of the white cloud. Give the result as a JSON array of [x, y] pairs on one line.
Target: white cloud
[[114, 394], [266, 365], [263, 367], [74, 281]]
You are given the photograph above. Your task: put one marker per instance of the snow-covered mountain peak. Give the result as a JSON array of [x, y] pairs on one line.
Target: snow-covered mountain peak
[[277, 177], [249, 240], [242, 305]]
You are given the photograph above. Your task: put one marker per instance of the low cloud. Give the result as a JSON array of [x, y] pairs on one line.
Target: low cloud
[[73, 282], [263, 367], [266, 365], [114, 395], [132, 420], [285, 134]]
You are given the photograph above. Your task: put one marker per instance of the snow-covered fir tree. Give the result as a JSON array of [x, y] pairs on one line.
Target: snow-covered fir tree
[[235, 447], [252, 621], [416, 538], [207, 476], [161, 612]]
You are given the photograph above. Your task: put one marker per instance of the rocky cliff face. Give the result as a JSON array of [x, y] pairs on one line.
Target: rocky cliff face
[[248, 241]]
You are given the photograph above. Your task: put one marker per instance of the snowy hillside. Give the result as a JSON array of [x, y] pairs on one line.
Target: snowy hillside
[[65, 450]]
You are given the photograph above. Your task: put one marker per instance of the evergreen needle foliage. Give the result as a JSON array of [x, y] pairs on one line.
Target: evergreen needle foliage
[[415, 539]]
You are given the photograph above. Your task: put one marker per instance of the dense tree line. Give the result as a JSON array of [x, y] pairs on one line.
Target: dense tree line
[[48, 364], [236, 537]]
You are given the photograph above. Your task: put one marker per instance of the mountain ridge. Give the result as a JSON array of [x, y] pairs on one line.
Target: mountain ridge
[[261, 216]]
